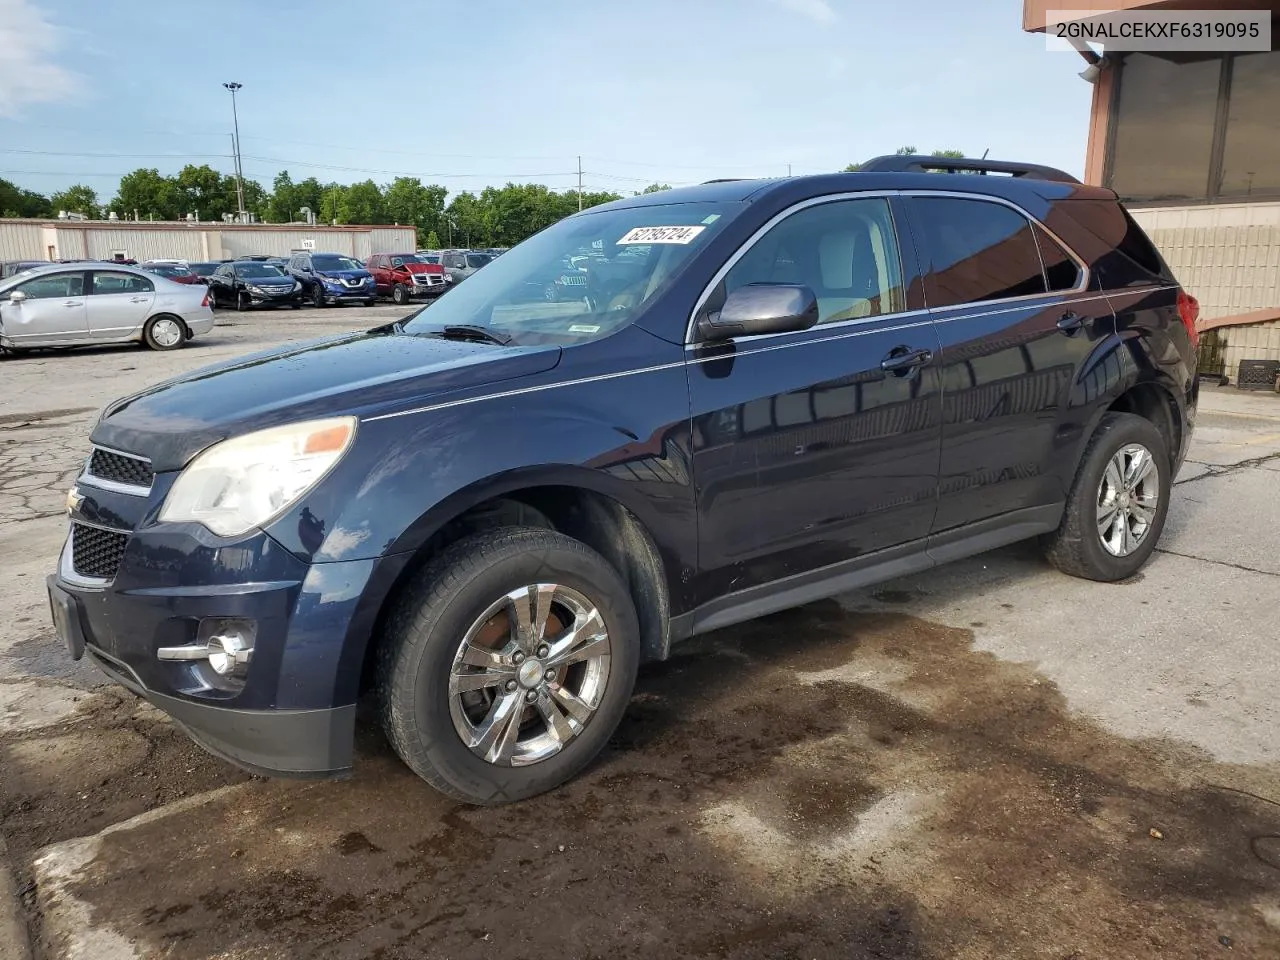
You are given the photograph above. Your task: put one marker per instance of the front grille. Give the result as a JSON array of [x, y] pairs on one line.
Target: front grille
[[96, 552], [120, 468]]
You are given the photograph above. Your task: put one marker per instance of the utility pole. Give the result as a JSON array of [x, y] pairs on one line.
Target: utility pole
[[579, 184], [788, 169], [235, 117]]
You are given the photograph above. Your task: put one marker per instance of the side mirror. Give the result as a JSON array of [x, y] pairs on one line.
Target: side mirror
[[17, 296], [761, 308]]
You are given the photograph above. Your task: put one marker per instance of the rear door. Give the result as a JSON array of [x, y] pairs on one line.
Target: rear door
[[53, 310], [807, 452], [1017, 324], [118, 304]]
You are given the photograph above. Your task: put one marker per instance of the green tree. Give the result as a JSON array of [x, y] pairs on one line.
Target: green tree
[[16, 202], [77, 199], [331, 201], [148, 195], [433, 240], [283, 205], [908, 152], [408, 201], [655, 188], [206, 192], [362, 203]]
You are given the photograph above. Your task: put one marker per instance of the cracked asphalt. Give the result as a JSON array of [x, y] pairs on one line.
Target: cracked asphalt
[[987, 759]]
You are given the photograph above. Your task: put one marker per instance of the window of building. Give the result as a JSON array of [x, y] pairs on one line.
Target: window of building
[[844, 251], [1196, 130], [977, 250], [1251, 147]]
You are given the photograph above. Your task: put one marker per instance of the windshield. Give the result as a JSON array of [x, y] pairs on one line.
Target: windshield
[[261, 271], [335, 263], [582, 278], [401, 258], [169, 270]]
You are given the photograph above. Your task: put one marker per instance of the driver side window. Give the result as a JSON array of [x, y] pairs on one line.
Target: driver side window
[[58, 285], [845, 251]]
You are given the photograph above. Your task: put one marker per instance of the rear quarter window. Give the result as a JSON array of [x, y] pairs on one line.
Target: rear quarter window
[[1111, 241]]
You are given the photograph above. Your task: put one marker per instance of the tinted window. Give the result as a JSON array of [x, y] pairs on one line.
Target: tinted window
[[478, 260], [58, 285], [1062, 272], [1250, 160], [846, 252], [120, 283], [168, 270], [977, 250], [258, 271], [336, 263]]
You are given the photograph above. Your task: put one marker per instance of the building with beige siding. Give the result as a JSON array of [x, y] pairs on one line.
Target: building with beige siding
[[1191, 143], [195, 241]]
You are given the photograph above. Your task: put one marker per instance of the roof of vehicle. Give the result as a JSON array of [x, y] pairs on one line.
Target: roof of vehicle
[[800, 188], [77, 265]]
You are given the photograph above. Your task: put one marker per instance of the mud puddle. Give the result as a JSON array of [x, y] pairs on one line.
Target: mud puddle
[[815, 784]]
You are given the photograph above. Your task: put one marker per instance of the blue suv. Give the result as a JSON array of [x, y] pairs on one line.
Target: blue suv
[[488, 513], [328, 278]]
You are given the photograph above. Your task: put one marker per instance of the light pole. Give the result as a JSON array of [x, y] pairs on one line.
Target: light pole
[[233, 87]]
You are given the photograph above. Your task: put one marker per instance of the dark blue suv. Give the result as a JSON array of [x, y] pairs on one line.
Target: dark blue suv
[[329, 278], [487, 514]]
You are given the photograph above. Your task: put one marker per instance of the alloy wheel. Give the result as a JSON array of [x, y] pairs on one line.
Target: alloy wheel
[[529, 674], [1128, 498]]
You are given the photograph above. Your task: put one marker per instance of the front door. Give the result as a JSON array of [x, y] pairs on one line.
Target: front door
[[51, 310], [119, 303], [1017, 324], [807, 451]]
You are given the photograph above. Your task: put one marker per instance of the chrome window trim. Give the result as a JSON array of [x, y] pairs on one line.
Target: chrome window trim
[[1085, 274], [755, 238]]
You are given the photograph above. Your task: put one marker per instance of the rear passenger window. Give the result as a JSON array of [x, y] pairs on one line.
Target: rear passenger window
[[977, 250], [1062, 272], [844, 251]]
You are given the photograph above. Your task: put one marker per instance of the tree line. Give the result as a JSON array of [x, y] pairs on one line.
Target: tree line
[[494, 217]]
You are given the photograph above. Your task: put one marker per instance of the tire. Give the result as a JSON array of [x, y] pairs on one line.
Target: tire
[[164, 332], [213, 297], [317, 297], [1077, 546], [242, 302], [295, 306], [399, 295], [368, 303], [449, 598]]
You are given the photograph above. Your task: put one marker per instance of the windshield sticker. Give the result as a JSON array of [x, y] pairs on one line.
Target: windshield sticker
[[661, 235], [585, 328], [711, 219]]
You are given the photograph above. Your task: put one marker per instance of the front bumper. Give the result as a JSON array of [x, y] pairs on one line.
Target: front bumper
[[294, 714], [335, 295]]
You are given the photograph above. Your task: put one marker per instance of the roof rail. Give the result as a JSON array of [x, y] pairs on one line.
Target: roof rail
[[918, 163], [722, 180]]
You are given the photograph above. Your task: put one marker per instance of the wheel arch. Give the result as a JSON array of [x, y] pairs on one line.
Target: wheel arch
[[574, 502]]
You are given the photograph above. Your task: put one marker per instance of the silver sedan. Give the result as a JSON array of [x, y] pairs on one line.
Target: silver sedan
[[73, 304]]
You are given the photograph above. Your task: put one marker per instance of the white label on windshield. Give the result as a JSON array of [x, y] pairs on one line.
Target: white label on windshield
[[584, 328], [661, 235]]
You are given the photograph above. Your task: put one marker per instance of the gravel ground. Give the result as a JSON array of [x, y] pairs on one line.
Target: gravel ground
[[986, 760]]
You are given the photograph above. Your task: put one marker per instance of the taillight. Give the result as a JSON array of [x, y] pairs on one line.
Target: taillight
[[205, 301], [1189, 311]]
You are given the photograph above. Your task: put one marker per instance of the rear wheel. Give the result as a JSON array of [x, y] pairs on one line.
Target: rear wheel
[[507, 664], [164, 333], [1118, 502]]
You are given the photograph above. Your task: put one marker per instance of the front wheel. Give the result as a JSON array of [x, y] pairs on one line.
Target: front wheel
[[317, 296], [507, 664], [164, 333], [1118, 502], [242, 302], [400, 296], [369, 303]]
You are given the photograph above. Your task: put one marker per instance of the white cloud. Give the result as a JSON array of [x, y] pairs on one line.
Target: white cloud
[[817, 10], [28, 73]]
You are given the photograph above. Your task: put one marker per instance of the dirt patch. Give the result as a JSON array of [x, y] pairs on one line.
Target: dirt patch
[[775, 791], [116, 758]]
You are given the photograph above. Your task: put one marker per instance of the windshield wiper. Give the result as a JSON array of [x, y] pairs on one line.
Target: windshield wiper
[[468, 331]]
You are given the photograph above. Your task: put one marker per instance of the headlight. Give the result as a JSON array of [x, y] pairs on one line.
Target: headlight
[[248, 481], [255, 289], [332, 281]]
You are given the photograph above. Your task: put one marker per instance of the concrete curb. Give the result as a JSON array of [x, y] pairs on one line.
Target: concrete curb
[[68, 928], [15, 940]]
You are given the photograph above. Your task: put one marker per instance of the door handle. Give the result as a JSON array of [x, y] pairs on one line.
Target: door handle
[[73, 303], [903, 360], [1070, 322], [137, 299]]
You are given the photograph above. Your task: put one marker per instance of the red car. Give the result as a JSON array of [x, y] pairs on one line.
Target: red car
[[173, 271], [402, 276]]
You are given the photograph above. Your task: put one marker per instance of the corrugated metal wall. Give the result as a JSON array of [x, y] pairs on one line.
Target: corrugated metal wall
[[1227, 255], [29, 240], [21, 241]]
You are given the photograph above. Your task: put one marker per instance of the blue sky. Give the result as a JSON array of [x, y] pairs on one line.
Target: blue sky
[[485, 91]]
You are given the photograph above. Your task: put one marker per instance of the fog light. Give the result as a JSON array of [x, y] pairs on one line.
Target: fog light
[[229, 643]]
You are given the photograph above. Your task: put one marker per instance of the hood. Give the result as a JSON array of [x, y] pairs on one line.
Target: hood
[[424, 268], [347, 374], [344, 274]]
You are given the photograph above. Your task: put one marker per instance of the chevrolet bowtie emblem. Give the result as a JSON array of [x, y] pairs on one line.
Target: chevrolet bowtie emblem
[[74, 499]]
